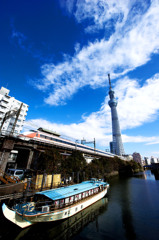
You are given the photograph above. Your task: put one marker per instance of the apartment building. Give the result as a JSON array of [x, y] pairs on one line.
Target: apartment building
[[137, 157], [12, 113]]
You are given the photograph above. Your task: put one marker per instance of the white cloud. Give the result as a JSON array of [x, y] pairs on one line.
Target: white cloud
[[153, 142], [102, 12], [130, 46], [137, 104]]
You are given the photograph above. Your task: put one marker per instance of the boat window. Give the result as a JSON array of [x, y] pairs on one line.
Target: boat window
[[56, 203], [90, 192], [95, 190], [79, 196], [76, 197], [83, 195], [66, 200], [71, 199], [45, 209]]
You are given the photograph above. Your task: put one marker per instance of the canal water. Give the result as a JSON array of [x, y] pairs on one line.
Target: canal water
[[129, 211]]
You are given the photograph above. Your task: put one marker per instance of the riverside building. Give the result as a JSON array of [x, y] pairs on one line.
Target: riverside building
[[12, 113], [137, 157]]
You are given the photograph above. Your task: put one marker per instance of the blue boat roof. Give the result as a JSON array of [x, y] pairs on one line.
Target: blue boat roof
[[68, 191]]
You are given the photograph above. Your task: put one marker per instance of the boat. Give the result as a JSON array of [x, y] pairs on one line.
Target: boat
[[56, 204], [67, 228]]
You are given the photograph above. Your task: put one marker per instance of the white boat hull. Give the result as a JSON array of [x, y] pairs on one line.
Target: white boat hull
[[52, 216], [13, 217]]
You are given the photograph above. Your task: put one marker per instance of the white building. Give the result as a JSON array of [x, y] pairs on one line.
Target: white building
[[154, 160], [12, 113], [147, 161]]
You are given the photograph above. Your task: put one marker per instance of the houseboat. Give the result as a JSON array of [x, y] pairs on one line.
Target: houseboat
[[56, 204]]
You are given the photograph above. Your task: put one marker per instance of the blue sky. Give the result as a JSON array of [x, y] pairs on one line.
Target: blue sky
[[55, 57]]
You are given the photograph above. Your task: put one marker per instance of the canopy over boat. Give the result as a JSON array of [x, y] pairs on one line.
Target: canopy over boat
[[65, 192]]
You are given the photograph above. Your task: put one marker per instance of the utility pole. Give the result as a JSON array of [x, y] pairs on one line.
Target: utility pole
[[17, 116], [10, 114]]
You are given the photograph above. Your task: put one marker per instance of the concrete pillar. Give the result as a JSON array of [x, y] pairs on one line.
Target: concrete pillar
[[8, 145], [30, 159], [4, 159]]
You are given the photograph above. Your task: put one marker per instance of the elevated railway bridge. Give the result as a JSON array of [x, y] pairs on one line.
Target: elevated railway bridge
[[29, 148]]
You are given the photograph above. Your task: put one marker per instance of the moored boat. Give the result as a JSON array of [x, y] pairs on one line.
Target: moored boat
[[56, 204]]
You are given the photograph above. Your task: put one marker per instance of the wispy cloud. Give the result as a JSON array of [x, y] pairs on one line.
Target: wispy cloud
[[134, 40], [19, 37], [20, 40]]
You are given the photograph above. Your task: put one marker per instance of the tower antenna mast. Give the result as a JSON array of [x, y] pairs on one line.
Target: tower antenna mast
[[109, 81]]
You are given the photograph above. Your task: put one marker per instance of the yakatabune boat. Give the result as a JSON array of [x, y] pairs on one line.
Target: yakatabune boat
[[56, 204]]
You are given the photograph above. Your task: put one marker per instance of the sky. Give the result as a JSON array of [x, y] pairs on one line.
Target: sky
[[55, 56]]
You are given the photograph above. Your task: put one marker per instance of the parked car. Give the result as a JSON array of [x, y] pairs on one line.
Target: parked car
[[29, 173], [16, 173]]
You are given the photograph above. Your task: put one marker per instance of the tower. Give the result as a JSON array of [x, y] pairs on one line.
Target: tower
[[116, 146]]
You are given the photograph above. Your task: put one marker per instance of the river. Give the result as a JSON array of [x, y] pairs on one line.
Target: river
[[129, 211]]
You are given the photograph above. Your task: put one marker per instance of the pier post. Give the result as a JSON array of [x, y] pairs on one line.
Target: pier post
[[77, 177], [73, 177], [52, 180], [83, 176]]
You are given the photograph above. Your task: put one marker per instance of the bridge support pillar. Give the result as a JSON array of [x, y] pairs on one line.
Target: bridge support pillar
[[8, 145], [30, 159]]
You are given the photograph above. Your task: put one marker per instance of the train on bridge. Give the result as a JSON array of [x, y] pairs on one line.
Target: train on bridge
[[46, 136]]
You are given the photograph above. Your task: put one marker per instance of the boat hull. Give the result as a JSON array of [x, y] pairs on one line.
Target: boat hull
[[13, 217]]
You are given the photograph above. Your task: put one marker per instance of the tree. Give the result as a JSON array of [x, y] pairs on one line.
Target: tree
[[50, 161], [74, 163]]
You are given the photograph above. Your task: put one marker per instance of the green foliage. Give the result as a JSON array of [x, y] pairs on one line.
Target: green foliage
[[73, 163], [50, 161]]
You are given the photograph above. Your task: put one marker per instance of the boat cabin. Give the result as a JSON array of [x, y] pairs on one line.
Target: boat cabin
[[53, 199]]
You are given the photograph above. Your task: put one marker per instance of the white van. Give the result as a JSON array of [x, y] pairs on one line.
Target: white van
[[16, 173]]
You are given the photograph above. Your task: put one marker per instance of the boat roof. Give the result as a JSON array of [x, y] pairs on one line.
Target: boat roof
[[68, 191]]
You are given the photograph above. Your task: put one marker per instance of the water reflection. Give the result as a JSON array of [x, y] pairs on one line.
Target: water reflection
[[147, 175], [67, 228], [126, 212]]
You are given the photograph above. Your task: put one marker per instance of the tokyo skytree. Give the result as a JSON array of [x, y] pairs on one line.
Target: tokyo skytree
[[116, 146]]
